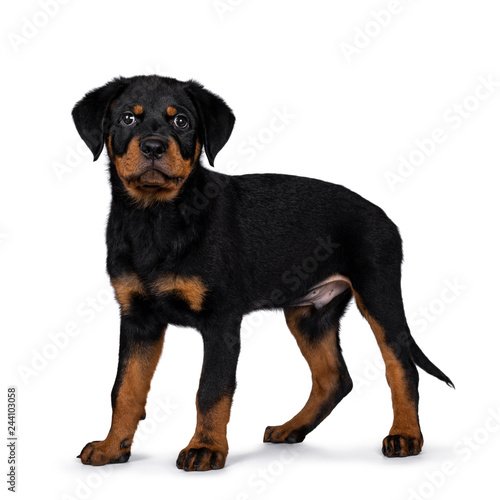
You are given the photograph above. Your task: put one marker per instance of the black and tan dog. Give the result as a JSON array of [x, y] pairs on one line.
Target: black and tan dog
[[191, 247]]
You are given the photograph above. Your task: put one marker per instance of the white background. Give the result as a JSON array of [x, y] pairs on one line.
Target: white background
[[354, 117]]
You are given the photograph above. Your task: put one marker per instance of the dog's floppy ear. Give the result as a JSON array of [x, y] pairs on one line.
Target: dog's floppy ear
[[217, 119], [90, 114]]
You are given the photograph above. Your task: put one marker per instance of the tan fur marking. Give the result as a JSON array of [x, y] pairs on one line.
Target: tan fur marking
[[127, 164], [131, 400], [173, 164], [171, 111], [405, 414], [110, 147], [190, 289], [197, 151], [129, 408], [179, 166], [213, 424], [138, 109], [210, 433], [126, 287], [323, 360]]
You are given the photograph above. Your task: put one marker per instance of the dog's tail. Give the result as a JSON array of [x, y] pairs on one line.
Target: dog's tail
[[426, 364]]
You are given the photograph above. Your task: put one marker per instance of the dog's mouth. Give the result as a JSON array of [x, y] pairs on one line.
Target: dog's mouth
[[154, 179]]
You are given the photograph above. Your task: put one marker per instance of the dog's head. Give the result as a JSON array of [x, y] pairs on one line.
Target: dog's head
[[153, 128]]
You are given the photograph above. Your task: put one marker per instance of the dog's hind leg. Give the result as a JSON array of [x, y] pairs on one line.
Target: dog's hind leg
[[378, 296], [316, 333]]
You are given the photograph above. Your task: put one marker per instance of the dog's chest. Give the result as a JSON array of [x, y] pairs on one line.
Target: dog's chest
[[131, 290], [152, 264]]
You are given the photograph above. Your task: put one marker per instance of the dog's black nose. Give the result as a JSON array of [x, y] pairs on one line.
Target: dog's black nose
[[153, 148]]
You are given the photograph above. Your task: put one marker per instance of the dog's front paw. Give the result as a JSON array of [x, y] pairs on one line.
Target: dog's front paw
[[104, 452], [398, 445], [201, 458]]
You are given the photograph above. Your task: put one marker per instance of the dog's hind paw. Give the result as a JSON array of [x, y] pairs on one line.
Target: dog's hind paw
[[282, 434]]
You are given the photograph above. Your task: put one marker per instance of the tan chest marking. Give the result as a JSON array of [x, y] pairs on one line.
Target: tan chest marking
[[190, 289], [126, 286]]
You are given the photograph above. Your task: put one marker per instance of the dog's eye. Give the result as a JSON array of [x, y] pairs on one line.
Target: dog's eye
[[127, 119], [181, 121]]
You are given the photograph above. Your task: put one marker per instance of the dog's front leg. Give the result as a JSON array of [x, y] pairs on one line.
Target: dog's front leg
[[141, 342], [208, 448]]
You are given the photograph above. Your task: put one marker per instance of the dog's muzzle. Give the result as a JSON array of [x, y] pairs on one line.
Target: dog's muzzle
[[153, 178], [153, 148]]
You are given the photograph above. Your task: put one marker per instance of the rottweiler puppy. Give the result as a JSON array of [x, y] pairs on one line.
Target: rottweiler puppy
[[188, 246]]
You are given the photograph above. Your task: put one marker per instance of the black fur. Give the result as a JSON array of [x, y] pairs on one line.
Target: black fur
[[255, 241]]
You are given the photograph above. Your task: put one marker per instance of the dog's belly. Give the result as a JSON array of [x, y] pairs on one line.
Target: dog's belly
[[322, 293]]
